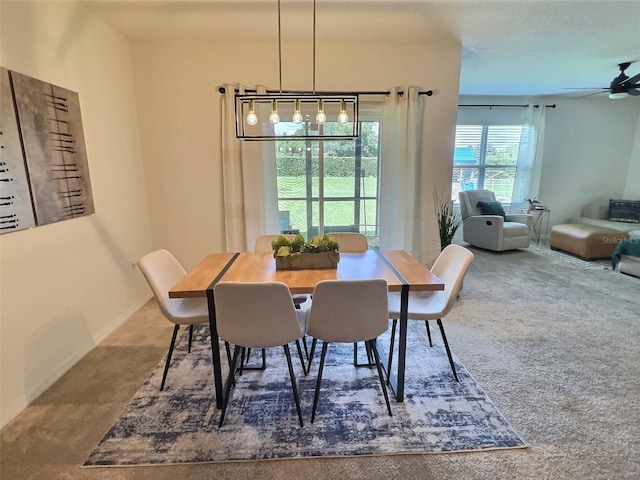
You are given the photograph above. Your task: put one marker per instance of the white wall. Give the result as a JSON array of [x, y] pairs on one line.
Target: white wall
[[65, 286], [179, 104], [632, 188], [588, 154]]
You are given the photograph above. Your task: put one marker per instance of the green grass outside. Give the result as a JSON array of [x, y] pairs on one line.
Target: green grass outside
[[335, 212]]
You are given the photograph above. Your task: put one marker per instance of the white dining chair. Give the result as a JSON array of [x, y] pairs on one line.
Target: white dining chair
[[348, 311], [351, 242], [450, 267], [263, 244], [270, 319], [162, 271]]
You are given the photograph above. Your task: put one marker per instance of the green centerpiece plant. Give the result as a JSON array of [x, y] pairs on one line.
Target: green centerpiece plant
[[320, 252]]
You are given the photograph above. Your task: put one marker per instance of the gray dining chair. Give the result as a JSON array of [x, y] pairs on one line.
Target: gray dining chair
[[450, 267], [270, 319], [162, 271], [348, 311]]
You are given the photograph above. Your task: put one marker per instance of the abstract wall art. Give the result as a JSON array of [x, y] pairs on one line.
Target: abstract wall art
[[44, 173]]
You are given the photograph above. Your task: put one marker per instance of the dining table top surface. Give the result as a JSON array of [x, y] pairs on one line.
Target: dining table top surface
[[397, 267]]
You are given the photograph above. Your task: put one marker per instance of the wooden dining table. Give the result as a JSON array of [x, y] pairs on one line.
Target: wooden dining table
[[402, 272]]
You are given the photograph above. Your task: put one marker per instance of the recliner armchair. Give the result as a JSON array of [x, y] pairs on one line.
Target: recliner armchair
[[492, 232]]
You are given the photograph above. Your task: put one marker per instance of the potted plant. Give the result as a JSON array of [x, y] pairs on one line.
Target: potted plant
[[449, 220], [533, 202], [320, 252]]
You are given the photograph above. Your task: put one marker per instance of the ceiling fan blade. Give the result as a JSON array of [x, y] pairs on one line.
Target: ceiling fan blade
[[592, 94], [634, 92]]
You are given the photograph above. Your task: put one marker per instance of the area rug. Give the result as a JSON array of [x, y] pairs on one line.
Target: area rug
[[180, 424], [597, 264]]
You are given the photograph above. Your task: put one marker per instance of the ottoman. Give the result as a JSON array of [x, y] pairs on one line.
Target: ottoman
[[586, 241]]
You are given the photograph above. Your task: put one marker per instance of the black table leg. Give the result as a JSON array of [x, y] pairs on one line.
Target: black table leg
[[397, 380], [213, 329], [402, 342], [215, 348]]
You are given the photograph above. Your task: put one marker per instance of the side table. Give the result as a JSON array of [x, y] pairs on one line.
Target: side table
[[540, 225]]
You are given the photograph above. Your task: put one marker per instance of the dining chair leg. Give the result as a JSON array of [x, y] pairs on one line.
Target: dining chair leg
[[369, 356], [302, 362], [228, 350], [446, 346], [391, 345], [374, 349], [313, 350], [368, 363], [319, 380], [230, 360], [294, 387], [245, 361], [426, 324], [168, 362], [237, 352], [190, 337]]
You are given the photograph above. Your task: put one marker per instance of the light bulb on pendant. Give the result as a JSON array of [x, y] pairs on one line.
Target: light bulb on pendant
[[321, 117], [297, 116], [342, 116], [252, 118], [274, 117]]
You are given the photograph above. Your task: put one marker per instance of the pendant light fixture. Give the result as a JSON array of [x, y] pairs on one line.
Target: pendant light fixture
[[316, 108]]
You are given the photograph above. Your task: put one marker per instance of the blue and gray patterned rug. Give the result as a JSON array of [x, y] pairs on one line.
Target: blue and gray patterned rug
[[180, 424]]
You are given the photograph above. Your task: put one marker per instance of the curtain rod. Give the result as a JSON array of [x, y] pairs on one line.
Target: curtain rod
[[494, 105], [428, 93]]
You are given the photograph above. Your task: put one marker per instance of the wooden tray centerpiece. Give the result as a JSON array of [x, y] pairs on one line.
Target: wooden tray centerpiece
[[297, 254]]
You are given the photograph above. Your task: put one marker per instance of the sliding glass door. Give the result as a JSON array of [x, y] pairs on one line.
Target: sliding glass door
[[329, 186]]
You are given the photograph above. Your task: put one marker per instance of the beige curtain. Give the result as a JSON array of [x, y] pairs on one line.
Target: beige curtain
[[401, 202], [249, 181]]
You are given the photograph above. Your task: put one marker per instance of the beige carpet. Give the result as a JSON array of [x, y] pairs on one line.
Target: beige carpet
[[554, 345]]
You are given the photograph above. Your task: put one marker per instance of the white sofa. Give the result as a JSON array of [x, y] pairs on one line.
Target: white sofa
[[630, 265], [597, 214]]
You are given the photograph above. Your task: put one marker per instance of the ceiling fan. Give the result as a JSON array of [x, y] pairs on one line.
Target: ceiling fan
[[622, 85]]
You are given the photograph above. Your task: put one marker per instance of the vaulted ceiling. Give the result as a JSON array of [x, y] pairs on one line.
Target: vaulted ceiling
[[510, 47]]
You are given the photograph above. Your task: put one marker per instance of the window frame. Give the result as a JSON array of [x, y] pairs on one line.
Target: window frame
[[481, 165], [369, 116]]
